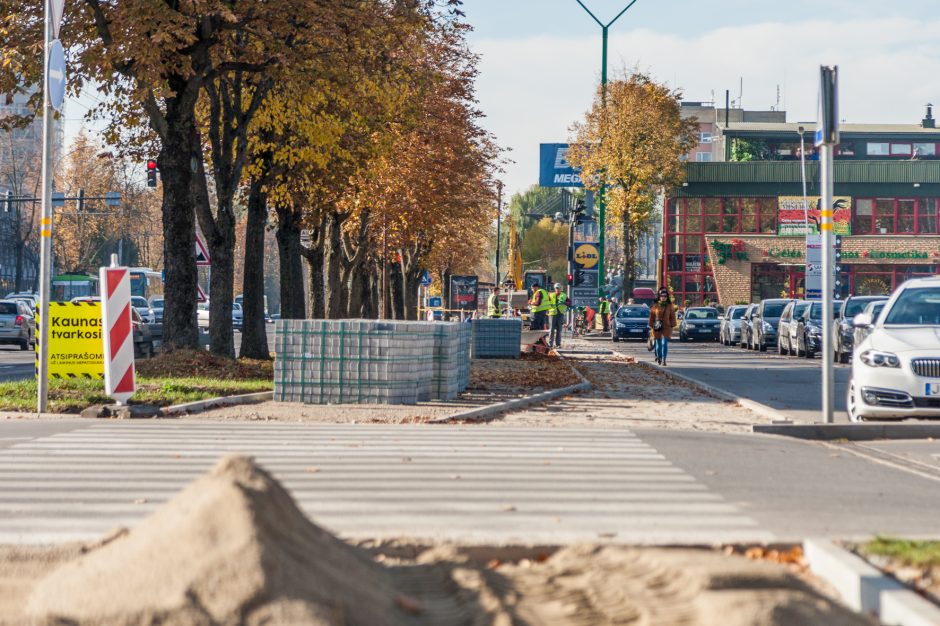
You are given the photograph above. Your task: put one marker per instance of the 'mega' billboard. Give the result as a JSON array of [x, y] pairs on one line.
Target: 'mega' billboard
[[554, 169]]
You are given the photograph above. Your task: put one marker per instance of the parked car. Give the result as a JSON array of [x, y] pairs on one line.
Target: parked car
[[896, 369], [143, 335], [17, 324], [729, 332], [843, 335], [809, 328], [143, 308], [746, 325], [156, 304], [764, 323], [631, 322], [786, 327], [873, 310], [238, 316], [699, 323]]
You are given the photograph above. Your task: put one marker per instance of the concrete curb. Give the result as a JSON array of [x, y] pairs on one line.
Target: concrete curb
[[754, 407], [515, 404], [866, 589], [202, 405], [850, 432]]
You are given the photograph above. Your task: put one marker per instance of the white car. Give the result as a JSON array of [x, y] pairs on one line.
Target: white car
[[896, 369], [143, 308]]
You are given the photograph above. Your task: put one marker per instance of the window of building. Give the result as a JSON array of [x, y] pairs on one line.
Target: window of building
[[703, 157], [704, 137], [881, 280], [879, 149], [895, 216], [925, 149], [902, 149]]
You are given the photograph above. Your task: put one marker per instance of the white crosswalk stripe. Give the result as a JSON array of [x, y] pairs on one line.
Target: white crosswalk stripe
[[472, 484]]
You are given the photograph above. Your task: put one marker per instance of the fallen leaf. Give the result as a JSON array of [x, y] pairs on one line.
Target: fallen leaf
[[408, 604], [493, 563]]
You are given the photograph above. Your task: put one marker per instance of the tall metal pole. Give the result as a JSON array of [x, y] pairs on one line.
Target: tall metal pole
[[601, 206], [45, 228], [499, 220], [825, 227]]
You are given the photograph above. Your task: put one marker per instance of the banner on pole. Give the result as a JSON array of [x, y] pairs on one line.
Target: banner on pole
[[74, 340]]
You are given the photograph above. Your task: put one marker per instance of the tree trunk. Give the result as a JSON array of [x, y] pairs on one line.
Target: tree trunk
[[254, 329], [396, 291], [314, 257], [445, 291], [291, 266], [219, 233], [179, 234], [629, 258], [333, 241], [369, 293]]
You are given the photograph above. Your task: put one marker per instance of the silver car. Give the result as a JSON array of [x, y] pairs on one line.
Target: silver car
[[730, 333], [17, 324]]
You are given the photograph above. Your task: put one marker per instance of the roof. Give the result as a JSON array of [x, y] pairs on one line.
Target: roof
[[810, 128]]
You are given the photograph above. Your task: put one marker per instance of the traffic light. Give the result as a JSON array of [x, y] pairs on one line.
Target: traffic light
[[570, 279], [151, 173]]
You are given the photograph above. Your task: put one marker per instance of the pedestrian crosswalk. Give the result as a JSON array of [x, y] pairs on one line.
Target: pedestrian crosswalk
[[422, 482]]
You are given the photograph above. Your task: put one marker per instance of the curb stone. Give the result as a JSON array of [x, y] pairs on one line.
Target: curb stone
[[851, 432], [202, 405], [866, 589], [515, 404]]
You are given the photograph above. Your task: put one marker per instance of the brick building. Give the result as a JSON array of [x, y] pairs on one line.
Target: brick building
[[735, 230]]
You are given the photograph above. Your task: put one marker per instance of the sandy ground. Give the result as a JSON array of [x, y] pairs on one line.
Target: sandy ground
[[634, 395], [234, 549]]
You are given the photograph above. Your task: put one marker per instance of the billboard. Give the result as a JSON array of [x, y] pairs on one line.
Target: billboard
[[554, 169], [793, 212], [463, 293], [585, 256], [76, 348]]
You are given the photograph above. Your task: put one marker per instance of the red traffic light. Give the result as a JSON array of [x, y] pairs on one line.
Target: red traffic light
[[151, 164], [570, 278]]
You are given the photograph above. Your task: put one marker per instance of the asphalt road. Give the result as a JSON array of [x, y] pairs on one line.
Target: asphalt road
[[72, 479], [16, 364], [791, 385]]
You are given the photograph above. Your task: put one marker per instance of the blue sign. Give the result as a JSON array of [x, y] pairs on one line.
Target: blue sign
[[554, 169], [55, 73], [426, 279], [434, 302]]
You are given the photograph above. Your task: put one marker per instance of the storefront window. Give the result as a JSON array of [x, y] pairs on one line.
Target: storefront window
[[693, 217], [861, 222], [889, 216], [768, 215], [927, 216], [906, 216], [730, 216], [749, 215], [884, 215]]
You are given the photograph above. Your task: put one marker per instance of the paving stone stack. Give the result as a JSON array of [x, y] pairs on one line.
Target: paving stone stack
[[498, 338], [451, 359], [366, 361]]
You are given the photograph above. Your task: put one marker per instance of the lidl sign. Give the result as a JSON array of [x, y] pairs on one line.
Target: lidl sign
[[586, 255], [554, 169]]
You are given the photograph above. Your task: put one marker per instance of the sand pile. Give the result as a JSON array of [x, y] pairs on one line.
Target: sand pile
[[234, 549]]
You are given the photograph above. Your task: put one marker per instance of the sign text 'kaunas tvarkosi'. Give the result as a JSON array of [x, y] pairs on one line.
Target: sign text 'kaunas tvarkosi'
[[75, 344]]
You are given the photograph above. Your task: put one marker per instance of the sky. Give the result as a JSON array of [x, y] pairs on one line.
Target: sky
[[540, 60]]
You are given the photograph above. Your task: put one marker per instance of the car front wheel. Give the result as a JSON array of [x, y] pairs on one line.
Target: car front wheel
[[853, 405]]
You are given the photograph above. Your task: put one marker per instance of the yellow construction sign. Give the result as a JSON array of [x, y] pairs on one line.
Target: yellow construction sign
[[76, 349]]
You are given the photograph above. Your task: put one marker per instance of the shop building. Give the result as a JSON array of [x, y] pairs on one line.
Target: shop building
[[735, 230]]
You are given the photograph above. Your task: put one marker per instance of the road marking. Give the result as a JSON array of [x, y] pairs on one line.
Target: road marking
[[424, 482]]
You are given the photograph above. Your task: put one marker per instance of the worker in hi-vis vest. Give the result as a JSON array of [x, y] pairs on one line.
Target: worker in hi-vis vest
[[493, 308], [603, 309], [558, 301], [538, 307]]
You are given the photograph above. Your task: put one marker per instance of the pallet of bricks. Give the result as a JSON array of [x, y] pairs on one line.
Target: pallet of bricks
[[496, 338], [369, 362]]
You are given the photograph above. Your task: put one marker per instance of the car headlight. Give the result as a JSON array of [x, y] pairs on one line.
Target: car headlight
[[813, 330], [876, 358], [767, 327]]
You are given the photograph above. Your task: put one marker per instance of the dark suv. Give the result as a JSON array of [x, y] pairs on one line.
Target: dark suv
[[809, 328], [843, 340], [631, 322], [765, 322], [699, 323]]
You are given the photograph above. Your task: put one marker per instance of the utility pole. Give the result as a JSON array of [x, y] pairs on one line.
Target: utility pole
[[601, 206], [45, 228], [499, 220]]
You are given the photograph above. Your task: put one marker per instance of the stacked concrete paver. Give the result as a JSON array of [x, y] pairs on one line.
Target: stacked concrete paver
[[498, 338], [366, 361]]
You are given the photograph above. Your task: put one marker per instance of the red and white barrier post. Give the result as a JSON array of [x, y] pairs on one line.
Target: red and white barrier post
[[118, 332]]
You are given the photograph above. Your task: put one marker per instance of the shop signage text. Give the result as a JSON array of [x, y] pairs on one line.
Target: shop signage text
[[785, 253], [734, 250]]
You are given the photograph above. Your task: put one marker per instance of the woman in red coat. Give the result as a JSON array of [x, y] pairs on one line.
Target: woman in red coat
[[662, 321]]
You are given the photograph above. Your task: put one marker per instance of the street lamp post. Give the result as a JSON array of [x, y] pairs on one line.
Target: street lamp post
[[601, 208], [499, 219]]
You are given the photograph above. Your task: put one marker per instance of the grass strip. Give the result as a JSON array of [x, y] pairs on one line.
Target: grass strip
[[908, 552]]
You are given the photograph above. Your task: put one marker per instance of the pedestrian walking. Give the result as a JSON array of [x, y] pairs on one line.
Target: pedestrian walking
[[556, 314], [662, 321], [603, 309], [539, 306], [492, 304]]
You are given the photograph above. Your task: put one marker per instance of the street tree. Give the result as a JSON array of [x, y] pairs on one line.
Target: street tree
[[631, 142]]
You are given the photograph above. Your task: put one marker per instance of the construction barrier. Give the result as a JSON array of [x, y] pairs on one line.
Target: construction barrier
[[496, 338], [119, 373]]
